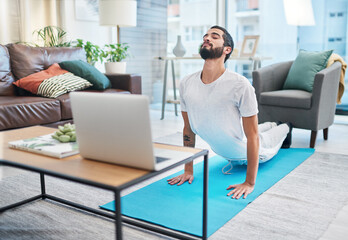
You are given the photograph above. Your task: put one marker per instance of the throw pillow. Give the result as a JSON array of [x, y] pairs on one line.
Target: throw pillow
[[59, 81], [58, 85], [88, 72], [303, 69]]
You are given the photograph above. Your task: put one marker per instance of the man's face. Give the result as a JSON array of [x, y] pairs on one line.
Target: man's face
[[213, 44]]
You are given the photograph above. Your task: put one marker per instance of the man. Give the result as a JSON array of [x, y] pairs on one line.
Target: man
[[220, 106]]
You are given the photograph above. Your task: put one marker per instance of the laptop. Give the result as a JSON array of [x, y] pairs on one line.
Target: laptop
[[116, 128]]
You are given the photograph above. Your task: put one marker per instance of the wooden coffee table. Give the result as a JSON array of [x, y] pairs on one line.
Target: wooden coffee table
[[93, 173]]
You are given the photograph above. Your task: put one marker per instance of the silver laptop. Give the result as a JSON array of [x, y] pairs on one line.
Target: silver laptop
[[116, 128]]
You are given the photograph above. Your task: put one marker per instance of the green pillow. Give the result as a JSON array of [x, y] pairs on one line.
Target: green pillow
[[88, 72], [304, 68]]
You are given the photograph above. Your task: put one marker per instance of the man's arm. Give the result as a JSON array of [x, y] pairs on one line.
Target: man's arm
[[250, 125], [189, 138]]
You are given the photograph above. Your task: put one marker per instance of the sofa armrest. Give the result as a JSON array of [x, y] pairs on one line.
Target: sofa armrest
[[127, 82], [324, 94], [270, 78]]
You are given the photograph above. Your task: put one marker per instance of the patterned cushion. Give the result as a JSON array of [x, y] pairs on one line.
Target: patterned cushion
[[52, 82], [88, 72], [58, 85]]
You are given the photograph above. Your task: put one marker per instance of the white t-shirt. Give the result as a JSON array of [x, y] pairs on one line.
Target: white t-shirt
[[215, 111]]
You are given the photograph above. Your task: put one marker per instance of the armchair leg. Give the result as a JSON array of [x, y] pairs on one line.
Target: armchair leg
[[326, 133], [313, 138]]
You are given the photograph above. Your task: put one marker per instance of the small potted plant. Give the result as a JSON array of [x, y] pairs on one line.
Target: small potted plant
[[113, 55], [93, 52]]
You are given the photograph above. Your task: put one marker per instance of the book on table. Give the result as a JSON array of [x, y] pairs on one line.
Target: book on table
[[46, 145]]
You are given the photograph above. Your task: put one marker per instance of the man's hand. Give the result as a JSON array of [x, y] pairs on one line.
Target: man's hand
[[186, 176], [240, 189], [181, 179]]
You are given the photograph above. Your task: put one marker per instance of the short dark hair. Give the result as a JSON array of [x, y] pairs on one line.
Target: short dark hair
[[228, 41]]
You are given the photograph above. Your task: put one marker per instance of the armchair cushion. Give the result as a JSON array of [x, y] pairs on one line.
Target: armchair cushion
[[88, 72], [287, 98], [304, 68]]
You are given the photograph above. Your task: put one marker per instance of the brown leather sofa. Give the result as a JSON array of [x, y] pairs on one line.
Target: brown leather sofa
[[19, 108]]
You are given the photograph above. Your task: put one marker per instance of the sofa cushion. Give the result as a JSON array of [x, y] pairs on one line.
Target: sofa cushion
[[32, 82], [65, 103], [16, 111], [303, 69], [6, 78], [52, 82], [287, 98], [88, 72], [26, 60]]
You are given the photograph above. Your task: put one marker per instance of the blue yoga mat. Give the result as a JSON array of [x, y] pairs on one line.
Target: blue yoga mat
[[180, 207]]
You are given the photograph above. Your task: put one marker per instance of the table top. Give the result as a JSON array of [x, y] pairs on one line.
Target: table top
[[74, 166]]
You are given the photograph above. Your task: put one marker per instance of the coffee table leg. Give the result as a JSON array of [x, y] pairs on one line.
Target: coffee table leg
[[43, 187], [118, 216], [205, 198]]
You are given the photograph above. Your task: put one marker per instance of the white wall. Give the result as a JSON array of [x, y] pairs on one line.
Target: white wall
[[86, 30]]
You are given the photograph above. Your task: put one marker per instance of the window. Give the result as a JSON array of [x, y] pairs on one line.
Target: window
[[191, 22], [188, 34], [278, 40], [191, 26], [197, 33]]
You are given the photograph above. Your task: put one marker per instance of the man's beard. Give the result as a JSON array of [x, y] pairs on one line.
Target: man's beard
[[211, 53]]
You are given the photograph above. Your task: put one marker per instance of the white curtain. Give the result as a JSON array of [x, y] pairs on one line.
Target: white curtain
[[9, 28], [20, 18]]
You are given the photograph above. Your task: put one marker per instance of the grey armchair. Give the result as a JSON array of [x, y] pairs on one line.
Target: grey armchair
[[313, 111]]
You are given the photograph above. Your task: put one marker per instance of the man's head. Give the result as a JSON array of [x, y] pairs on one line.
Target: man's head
[[215, 42]]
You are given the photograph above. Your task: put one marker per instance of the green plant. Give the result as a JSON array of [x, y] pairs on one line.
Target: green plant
[[52, 36], [93, 52], [115, 52]]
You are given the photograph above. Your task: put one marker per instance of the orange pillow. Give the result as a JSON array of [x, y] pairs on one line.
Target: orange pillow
[[32, 82]]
